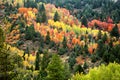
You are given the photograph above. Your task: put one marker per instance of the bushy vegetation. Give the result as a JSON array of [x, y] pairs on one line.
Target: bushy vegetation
[[110, 72], [55, 39]]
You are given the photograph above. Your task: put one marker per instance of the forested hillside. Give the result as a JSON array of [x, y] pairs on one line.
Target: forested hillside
[[59, 39]]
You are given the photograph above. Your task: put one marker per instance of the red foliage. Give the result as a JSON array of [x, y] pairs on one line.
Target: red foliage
[[103, 25]]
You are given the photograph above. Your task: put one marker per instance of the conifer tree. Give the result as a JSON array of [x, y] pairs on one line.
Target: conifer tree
[[48, 38], [115, 31], [104, 38], [43, 65], [99, 34], [6, 65], [64, 43], [55, 69], [37, 61], [56, 16], [84, 21], [41, 8]]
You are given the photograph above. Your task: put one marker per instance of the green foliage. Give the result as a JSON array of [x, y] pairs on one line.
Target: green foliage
[[5, 63], [84, 21], [72, 60], [27, 51], [25, 75], [30, 3], [101, 48], [43, 66], [110, 72], [115, 31], [47, 38], [40, 51], [78, 50], [67, 73], [62, 51], [64, 42], [37, 61], [20, 42], [56, 16], [2, 38], [104, 38], [41, 8], [94, 58], [99, 34], [78, 68], [30, 33], [85, 66], [44, 17], [55, 69], [41, 16]]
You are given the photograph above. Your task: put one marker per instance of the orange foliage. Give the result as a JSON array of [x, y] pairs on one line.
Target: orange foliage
[[79, 60], [22, 10], [104, 25], [90, 49], [109, 20]]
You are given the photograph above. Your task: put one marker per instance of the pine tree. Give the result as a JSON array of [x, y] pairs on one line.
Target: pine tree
[[41, 17], [104, 38], [115, 31], [48, 38], [101, 48], [43, 65], [56, 16], [79, 68], [2, 38], [27, 51], [99, 34], [72, 60], [85, 66], [40, 51], [6, 65], [64, 42], [67, 73], [55, 69], [44, 17], [37, 61], [29, 33], [41, 8], [84, 21]]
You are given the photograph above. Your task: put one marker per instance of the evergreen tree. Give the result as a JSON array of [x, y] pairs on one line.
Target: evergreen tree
[[84, 21], [43, 65], [104, 38], [67, 73], [77, 49], [41, 8], [101, 48], [48, 38], [115, 31], [40, 51], [29, 33], [6, 65], [56, 16], [99, 34], [27, 51], [37, 61], [79, 68], [2, 38], [72, 60], [64, 42], [55, 69], [44, 17], [85, 66]]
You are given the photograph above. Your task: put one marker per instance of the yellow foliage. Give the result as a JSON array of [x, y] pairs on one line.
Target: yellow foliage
[[31, 58], [25, 63]]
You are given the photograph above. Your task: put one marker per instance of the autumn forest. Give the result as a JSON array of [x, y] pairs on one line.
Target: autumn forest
[[59, 40]]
